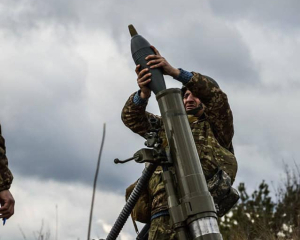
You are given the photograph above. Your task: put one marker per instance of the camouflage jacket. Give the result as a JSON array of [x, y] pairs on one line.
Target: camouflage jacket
[[6, 176], [212, 133]]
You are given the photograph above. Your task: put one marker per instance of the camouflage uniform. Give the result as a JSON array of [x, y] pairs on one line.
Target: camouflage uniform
[[6, 176], [212, 132]]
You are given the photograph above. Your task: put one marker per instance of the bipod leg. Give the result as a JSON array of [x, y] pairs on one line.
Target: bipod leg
[[134, 196]]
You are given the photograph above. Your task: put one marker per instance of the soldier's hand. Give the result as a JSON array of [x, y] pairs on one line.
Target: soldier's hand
[[157, 61], [144, 77], [7, 204]]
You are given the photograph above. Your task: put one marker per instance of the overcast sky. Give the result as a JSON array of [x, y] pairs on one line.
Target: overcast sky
[[66, 69]]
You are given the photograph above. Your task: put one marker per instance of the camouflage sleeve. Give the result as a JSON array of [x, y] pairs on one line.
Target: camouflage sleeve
[[136, 117], [6, 176], [217, 109]]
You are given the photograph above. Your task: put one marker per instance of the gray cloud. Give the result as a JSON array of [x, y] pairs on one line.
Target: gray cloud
[[203, 39], [274, 14], [55, 103]]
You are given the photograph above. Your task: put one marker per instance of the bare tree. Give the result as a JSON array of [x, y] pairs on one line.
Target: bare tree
[[22, 232], [41, 235], [95, 183], [56, 208]]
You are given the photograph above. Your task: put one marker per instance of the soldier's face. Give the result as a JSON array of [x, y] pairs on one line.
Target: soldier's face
[[190, 102]]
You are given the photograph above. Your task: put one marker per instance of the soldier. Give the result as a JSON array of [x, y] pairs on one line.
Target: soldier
[[6, 199], [211, 122]]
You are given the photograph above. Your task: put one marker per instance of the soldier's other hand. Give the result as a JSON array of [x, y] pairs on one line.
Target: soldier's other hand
[[144, 77], [157, 61], [7, 204]]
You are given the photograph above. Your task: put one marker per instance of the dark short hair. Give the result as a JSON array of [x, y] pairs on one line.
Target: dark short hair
[[183, 90]]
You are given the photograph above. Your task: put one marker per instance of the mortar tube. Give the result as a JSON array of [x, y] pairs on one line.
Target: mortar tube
[[196, 204]]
